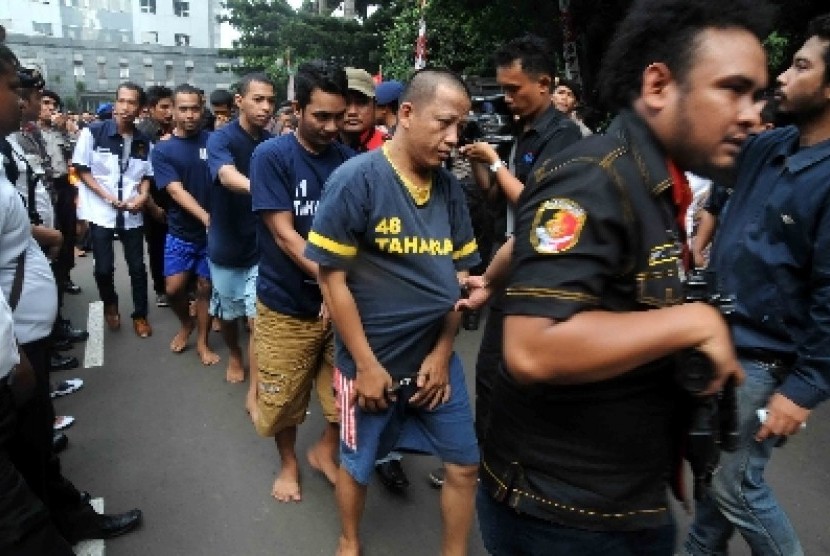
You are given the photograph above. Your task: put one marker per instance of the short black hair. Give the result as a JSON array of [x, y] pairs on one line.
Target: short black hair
[[421, 86], [54, 96], [533, 52], [667, 31], [258, 77], [319, 74], [570, 84], [820, 27], [131, 86], [221, 97], [157, 93], [8, 61], [187, 89]]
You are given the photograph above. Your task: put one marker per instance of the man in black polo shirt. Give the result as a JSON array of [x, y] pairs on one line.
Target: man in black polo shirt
[[525, 68], [577, 450]]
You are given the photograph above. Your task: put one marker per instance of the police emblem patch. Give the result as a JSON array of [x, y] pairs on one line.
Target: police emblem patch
[[556, 226]]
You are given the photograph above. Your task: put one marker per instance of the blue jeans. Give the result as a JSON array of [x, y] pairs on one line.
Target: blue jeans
[[506, 532], [740, 498], [133, 242]]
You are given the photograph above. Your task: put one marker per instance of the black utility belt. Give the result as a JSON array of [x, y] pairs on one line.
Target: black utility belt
[[768, 357]]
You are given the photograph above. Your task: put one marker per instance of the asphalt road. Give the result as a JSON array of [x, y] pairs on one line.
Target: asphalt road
[[161, 432]]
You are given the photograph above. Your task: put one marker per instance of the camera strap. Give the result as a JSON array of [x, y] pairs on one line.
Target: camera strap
[[17, 282]]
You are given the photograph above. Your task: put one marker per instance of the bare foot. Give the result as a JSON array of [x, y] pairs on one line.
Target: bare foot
[[235, 372], [250, 405], [321, 458], [347, 548], [287, 485], [179, 341], [207, 356], [216, 324]]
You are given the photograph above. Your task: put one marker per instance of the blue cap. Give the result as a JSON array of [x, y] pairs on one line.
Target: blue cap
[[388, 92], [104, 111]]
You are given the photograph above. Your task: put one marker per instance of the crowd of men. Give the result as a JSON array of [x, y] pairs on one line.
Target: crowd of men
[[336, 230]]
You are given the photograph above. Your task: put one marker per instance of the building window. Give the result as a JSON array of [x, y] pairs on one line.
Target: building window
[[181, 8], [42, 28], [102, 70], [79, 70], [125, 35], [124, 69], [150, 37], [148, 71], [182, 39], [147, 6]]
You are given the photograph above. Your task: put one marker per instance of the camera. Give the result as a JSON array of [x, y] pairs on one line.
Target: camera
[[713, 420]]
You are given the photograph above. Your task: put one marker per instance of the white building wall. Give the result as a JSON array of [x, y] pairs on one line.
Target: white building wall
[[200, 25], [31, 17]]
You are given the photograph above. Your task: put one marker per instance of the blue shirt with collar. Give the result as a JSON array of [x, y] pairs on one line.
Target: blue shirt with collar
[[772, 251]]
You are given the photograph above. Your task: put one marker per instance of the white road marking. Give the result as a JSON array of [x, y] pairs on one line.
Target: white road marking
[[91, 547], [94, 352]]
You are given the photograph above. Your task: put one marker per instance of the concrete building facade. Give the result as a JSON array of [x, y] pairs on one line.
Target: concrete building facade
[[86, 47]]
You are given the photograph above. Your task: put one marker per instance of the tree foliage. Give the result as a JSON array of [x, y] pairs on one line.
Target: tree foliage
[[461, 34], [274, 35]]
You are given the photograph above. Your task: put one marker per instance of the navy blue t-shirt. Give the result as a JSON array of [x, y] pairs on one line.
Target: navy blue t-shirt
[[401, 258], [287, 177], [232, 234], [184, 160]]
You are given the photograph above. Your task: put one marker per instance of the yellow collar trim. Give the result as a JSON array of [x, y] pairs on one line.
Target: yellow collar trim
[[420, 193]]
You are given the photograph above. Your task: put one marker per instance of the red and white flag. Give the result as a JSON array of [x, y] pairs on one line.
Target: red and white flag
[[421, 42]]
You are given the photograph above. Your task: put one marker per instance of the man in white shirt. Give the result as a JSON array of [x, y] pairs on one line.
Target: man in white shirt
[[113, 163]]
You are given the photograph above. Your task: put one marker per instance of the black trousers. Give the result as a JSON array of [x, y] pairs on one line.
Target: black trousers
[[25, 526], [66, 219]]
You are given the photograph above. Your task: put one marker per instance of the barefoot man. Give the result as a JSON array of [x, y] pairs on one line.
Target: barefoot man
[[232, 244], [181, 168], [392, 236], [293, 338]]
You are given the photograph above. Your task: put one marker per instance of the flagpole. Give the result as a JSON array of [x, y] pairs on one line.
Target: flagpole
[[421, 41]]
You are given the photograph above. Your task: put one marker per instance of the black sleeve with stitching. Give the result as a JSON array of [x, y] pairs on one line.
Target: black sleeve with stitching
[[558, 280]]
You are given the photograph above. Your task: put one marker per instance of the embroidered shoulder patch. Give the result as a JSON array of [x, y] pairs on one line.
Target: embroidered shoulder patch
[[556, 226]]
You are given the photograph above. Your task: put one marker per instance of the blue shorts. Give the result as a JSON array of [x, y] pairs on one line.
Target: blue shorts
[[234, 291], [185, 256], [447, 431]]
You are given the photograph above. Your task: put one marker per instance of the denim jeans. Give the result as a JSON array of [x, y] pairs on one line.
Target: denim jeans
[[506, 532], [740, 498], [132, 241]]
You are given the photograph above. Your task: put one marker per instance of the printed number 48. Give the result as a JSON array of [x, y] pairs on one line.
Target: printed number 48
[[389, 226]]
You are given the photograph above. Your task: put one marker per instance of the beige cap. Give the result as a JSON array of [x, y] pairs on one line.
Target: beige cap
[[361, 81]]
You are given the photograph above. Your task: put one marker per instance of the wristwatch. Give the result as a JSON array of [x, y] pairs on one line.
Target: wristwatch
[[494, 167]]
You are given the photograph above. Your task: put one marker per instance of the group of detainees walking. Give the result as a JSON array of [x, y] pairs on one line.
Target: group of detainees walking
[[344, 242]]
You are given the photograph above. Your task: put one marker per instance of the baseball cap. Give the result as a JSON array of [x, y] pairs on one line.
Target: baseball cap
[[361, 81], [388, 92], [104, 111]]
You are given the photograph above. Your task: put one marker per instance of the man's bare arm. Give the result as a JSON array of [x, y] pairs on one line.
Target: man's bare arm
[[234, 180], [373, 381], [597, 345], [89, 180], [184, 199], [281, 226]]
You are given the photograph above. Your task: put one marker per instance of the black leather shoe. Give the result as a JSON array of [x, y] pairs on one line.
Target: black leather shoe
[[118, 524], [392, 475], [67, 332], [58, 362], [71, 287], [62, 344], [59, 442]]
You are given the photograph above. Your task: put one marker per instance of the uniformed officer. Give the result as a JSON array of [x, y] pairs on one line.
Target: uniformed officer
[[577, 449]]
